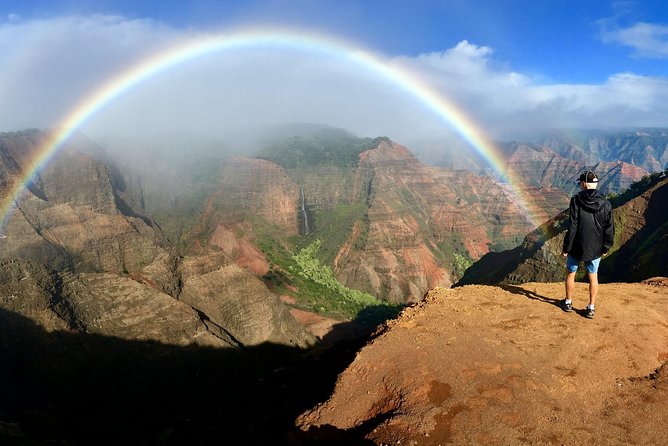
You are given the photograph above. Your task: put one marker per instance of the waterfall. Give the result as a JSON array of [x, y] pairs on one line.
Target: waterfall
[[302, 209]]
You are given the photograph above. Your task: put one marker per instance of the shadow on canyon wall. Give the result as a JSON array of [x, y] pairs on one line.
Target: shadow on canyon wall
[[67, 388]]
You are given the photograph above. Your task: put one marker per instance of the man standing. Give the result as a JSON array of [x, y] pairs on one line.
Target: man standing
[[590, 235]]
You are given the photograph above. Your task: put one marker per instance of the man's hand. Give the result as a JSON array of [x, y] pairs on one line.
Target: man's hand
[[564, 254]]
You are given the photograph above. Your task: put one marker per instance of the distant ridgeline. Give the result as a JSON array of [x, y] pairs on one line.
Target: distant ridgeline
[[554, 158], [642, 147]]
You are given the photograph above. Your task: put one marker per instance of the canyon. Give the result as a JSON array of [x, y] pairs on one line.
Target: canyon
[[193, 302]]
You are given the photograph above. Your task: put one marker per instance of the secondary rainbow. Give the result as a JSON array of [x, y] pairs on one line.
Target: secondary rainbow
[[202, 46]]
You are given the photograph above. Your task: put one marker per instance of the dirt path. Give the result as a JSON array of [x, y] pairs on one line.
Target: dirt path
[[489, 365]]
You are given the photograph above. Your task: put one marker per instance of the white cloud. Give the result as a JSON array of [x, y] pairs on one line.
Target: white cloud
[[463, 57], [51, 65], [647, 39], [507, 103], [624, 100]]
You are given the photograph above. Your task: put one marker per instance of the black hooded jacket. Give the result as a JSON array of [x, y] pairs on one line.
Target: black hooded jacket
[[591, 229]]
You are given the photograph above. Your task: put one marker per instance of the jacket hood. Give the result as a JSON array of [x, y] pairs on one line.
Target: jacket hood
[[590, 200]]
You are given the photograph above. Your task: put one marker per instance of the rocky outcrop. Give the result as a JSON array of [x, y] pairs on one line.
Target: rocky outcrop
[[226, 307], [79, 254], [73, 218], [108, 304], [233, 241], [540, 167], [35, 292], [258, 188], [420, 222], [645, 148], [392, 254], [554, 160], [238, 302], [488, 365], [100, 303]]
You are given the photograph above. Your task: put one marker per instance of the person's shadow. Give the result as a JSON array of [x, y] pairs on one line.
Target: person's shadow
[[535, 296], [532, 295], [581, 311]]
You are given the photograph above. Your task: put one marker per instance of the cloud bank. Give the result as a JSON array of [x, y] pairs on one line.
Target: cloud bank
[[51, 65]]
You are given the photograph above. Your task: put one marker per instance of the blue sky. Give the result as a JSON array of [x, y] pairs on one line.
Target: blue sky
[[559, 40], [509, 63]]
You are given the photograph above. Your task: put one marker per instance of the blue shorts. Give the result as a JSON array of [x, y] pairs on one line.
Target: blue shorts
[[591, 265]]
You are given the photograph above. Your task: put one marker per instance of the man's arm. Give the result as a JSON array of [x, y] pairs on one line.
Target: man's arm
[[608, 229], [572, 227]]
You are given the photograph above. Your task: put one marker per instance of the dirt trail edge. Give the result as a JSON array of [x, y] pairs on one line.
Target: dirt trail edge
[[505, 365]]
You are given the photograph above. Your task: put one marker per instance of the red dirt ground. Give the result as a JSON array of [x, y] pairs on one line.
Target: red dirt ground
[[505, 365]]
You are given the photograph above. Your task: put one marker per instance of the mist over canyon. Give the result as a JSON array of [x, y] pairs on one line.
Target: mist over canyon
[[191, 253]]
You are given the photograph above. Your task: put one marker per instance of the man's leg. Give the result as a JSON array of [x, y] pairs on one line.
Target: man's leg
[[571, 269], [593, 288], [592, 272], [570, 285]]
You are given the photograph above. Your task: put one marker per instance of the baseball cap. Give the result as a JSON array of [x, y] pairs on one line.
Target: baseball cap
[[588, 177]]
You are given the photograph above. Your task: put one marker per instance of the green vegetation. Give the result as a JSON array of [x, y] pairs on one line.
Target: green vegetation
[[311, 268], [461, 264], [617, 200], [337, 224], [648, 257], [652, 240], [321, 283], [313, 284], [636, 189], [327, 146], [273, 244], [620, 220]]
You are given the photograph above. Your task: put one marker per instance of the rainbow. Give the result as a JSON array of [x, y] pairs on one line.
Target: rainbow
[[191, 49]]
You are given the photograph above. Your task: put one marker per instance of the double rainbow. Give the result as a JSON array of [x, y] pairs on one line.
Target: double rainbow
[[173, 56]]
